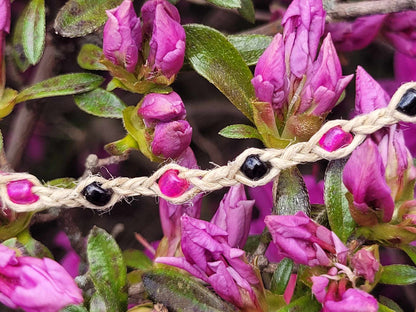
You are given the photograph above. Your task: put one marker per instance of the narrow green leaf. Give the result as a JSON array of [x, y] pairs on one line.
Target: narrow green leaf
[[121, 146], [61, 85], [89, 56], [383, 308], [136, 259], [337, 206], [281, 276], [74, 308], [410, 251], [398, 274], [7, 102], [101, 103], [217, 60], [18, 52], [107, 269], [33, 30], [247, 11], [240, 132], [389, 304], [229, 4], [305, 303], [181, 292], [291, 193], [251, 47], [78, 18]]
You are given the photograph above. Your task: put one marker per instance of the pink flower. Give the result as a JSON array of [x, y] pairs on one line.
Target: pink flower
[[161, 21], [400, 29], [5, 16], [234, 215], [171, 139], [71, 260], [365, 264], [303, 23], [158, 107], [122, 36], [35, 285], [263, 197], [305, 242]]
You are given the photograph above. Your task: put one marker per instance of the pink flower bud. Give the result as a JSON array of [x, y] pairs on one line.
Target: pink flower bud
[[161, 21], [158, 107], [171, 139], [305, 242], [234, 215], [35, 285], [399, 29], [122, 36], [270, 81], [365, 264]]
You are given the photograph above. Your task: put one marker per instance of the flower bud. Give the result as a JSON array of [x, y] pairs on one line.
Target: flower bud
[[161, 22], [35, 285], [234, 215], [122, 36], [158, 107], [365, 264], [171, 139]]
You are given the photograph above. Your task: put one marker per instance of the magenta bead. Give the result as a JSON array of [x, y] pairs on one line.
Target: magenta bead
[[20, 192], [335, 138], [171, 185]]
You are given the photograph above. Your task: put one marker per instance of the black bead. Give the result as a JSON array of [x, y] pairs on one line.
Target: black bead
[[407, 104], [254, 168], [96, 195]]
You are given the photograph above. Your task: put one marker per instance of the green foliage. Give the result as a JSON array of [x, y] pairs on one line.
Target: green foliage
[[107, 270], [33, 247], [337, 206], [240, 132], [33, 30], [89, 57], [101, 103], [398, 274], [217, 60], [181, 292], [78, 18], [61, 85], [251, 47], [247, 11], [387, 303], [229, 4], [281, 276], [410, 251], [136, 259], [305, 303], [74, 308], [122, 146]]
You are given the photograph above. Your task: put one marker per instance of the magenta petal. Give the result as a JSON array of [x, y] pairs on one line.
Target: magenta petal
[[4, 16], [400, 29], [353, 300]]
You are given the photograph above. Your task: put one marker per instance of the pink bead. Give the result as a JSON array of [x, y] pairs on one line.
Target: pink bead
[[335, 138], [171, 185], [20, 192]]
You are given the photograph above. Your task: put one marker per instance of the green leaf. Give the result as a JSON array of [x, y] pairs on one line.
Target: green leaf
[[247, 11], [18, 52], [61, 85], [217, 60], [101, 103], [33, 30], [1, 141], [33, 247], [74, 308], [229, 4], [281, 276], [398, 274], [251, 47], [7, 102], [389, 304], [62, 183], [89, 57], [240, 132], [121, 147], [337, 206], [291, 193], [136, 259], [78, 18], [410, 251], [383, 308], [107, 269], [305, 303], [181, 292]]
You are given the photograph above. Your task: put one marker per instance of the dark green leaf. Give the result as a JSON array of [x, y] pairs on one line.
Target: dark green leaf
[[78, 18], [251, 47], [291, 193], [121, 147], [18, 52], [229, 4], [247, 11], [383, 308], [339, 215], [33, 30], [240, 132], [74, 308], [398, 274], [98, 303], [61, 85], [136, 259], [305, 303], [107, 269], [390, 304], [410, 251], [89, 56], [101, 103], [281, 276], [215, 58], [181, 292]]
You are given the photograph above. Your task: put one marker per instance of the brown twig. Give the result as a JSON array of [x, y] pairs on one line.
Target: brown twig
[[93, 163]]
